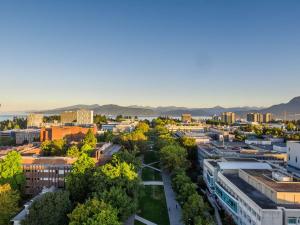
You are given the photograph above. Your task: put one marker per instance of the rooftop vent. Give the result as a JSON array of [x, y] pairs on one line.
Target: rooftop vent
[[281, 177]]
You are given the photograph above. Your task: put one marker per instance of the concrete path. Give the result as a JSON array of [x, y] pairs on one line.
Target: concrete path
[[130, 220], [147, 222], [145, 165], [174, 208], [153, 183], [150, 164]]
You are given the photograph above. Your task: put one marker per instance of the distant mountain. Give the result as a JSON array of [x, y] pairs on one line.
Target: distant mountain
[[290, 109]]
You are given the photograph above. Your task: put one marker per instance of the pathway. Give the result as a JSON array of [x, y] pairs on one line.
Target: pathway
[[173, 206], [147, 165], [153, 183], [147, 222]]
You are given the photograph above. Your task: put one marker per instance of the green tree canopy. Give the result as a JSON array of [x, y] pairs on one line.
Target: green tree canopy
[[94, 212], [73, 151], [54, 148], [173, 157], [78, 180], [9, 200], [50, 209], [11, 170], [90, 139]]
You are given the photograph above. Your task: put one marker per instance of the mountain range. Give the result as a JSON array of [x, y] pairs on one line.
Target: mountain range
[[289, 110]]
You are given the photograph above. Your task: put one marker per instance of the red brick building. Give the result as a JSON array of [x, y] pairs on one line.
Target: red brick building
[[72, 133]]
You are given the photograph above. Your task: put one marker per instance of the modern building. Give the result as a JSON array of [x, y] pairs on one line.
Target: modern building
[[293, 153], [43, 172], [71, 133], [186, 118], [79, 117], [267, 117], [253, 193], [27, 136], [34, 120], [228, 117], [255, 117]]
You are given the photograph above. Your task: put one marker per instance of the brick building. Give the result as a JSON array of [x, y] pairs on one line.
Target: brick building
[[43, 172], [72, 133]]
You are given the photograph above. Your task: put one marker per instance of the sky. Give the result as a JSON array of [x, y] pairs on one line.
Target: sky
[[203, 53]]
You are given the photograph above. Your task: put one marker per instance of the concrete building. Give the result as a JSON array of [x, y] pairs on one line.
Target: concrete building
[[71, 133], [34, 120], [43, 172], [27, 136], [79, 117], [228, 117], [252, 192], [267, 117], [293, 153], [255, 117], [186, 118]]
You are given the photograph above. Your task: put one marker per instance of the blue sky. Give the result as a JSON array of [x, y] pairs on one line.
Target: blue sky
[[148, 52]]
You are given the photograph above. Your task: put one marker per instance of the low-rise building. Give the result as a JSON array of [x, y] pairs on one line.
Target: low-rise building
[[293, 154], [253, 192], [72, 133], [27, 136]]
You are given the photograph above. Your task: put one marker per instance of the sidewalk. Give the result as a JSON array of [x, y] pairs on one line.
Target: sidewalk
[[173, 206]]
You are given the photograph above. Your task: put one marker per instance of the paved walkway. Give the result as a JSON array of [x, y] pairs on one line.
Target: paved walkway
[[153, 183], [147, 165], [214, 205], [173, 206], [147, 222]]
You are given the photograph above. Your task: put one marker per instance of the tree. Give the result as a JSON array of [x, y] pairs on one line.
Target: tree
[[94, 212], [78, 180], [191, 147], [90, 139], [143, 127], [11, 170], [9, 200], [173, 157], [50, 209], [118, 198], [86, 148], [73, 151], [54, 148]]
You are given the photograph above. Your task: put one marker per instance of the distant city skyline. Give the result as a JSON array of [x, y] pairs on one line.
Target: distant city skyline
[[149, 53]]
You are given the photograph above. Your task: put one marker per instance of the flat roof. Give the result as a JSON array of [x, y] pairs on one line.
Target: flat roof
[[265, 176], [243, 165], [256, 196]]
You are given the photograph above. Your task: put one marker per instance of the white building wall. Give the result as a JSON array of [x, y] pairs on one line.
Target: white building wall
[[293, 154]]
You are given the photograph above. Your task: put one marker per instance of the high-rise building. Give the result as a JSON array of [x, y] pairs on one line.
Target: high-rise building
[[255, 117], [34, 120], [79, 117], [228, 117], [267, 117], [186, 118]]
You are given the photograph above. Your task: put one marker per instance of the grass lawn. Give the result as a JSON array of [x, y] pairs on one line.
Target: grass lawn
[[149, 174], [153, 205], [150, 157]]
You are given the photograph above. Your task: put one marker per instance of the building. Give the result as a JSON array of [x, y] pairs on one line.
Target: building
[[252, 192], [117, 127], [71, 133], [293, 153], [79, 117], [255, 117], [267, 117], [43, 172], [34, 120], [27, 136], [228, 117], [186, 118]]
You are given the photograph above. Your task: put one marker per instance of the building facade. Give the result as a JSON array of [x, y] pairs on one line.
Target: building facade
[[253, 193], [267, 117], [228, 117], [79, 117], [71, 133], [293, 153], [27, 136], [255, 117], [34, 120]]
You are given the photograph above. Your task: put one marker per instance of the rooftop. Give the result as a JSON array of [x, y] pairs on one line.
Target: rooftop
[[265, 176]]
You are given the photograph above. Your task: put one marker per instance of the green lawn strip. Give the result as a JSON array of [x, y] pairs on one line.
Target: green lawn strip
[[153, 205], [136, 222], [150, 157], [149, 174]]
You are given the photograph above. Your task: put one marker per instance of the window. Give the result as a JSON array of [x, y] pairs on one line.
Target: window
[[292, 220], [296, 159]]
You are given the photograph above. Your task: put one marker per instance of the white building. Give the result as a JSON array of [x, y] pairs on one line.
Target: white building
[[253, 193], [293, 153]]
